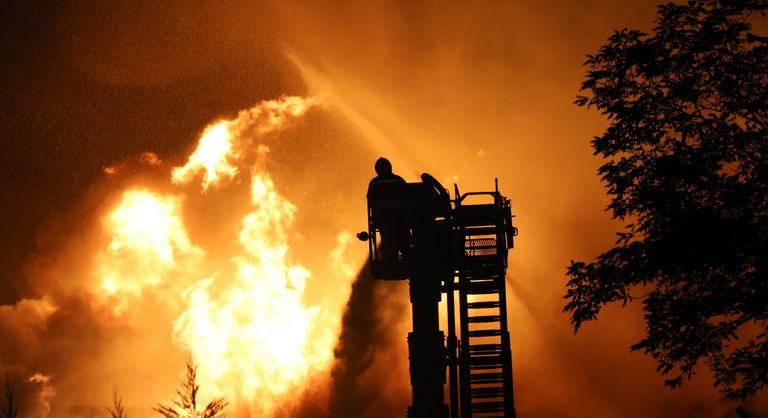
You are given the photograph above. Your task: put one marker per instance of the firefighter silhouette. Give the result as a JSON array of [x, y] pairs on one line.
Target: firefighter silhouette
[[394, 232]]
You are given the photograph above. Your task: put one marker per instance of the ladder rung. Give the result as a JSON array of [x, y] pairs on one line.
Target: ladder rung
[[486, 272], [483, 348], [487, 261], [482, 269], [484, 318], [486, 361], [485, 333], [486, 377], [487, 406], [483, 305], [482, 367], [496, 280], [482, 288], [484, 260], [484, 278], [469, 282], [481, 280], [488, 392], [480, 230]]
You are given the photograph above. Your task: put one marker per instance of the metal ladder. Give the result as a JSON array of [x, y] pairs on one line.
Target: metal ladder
[[485, 359]]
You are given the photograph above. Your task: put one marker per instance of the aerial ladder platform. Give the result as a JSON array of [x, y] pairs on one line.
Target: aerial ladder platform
[[457, 246], [485, 359]]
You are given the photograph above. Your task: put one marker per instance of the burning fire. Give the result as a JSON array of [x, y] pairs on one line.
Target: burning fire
[[213, 154], [148, 239], [222, 143], [245, 323], [255, 335]]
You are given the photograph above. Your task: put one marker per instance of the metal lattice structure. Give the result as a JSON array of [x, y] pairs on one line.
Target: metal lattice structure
[[485, 359]]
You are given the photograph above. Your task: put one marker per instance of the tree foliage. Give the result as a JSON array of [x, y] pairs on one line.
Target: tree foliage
[[117, 410], [686, 167], [186, 406]]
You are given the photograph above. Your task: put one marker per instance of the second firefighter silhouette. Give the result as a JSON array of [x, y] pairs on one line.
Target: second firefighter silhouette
[[416, 232]]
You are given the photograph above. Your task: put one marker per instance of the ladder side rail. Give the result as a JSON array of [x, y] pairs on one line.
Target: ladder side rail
[[506, 350], [459, 230], [452, 346], [465, 402]]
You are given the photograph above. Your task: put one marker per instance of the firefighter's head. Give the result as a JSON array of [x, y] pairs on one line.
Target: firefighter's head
[[383, 166]]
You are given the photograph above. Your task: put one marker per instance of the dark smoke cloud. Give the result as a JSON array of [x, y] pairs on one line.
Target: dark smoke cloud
[[368, 344]]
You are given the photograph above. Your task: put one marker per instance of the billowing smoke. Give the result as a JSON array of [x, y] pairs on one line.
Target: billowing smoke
[[371, 359]]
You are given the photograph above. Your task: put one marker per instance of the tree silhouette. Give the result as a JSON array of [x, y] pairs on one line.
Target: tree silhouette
[[687, 170], [11, 410], [186, 404], [117, 410]]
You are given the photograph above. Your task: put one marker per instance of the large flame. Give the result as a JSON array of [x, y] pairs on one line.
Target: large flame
[[245, 322], [222, 143], [254, 337], [148, 241], [212, 156]]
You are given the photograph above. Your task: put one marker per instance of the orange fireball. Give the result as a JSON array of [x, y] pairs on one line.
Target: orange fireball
[[244, 319]]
